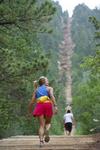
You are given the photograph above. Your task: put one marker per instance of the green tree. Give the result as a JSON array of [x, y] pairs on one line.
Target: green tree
[[22, 60], [87, 103]]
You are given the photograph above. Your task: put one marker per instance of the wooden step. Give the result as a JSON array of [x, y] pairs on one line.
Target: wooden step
[[56, 143]]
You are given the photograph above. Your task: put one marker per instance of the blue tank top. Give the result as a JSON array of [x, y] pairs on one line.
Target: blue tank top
[[41, 91]]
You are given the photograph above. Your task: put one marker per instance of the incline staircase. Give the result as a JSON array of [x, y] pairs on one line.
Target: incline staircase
[[56, 143]]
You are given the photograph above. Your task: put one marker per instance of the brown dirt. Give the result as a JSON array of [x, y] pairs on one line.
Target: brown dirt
[[96, 143], [90, 142]]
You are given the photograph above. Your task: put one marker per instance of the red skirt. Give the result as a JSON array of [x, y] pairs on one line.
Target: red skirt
[[44, 109]]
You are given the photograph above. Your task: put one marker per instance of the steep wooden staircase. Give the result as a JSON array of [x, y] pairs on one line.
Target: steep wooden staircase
[[56, 143]]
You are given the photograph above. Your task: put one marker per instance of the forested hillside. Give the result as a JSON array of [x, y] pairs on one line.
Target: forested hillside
[[86, 69], [30, 34]]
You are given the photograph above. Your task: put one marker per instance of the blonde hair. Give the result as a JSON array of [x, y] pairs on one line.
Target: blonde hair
[[35, 84]]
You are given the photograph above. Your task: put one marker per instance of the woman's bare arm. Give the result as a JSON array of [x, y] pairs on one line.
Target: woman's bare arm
[[31, 103], [35, 85], [52, 96], [53, 99]]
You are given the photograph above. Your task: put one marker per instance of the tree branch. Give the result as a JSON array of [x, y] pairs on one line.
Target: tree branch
[[7, 23]]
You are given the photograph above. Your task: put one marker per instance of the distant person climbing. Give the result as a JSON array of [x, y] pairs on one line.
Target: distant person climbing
[[44, 98], [68, 121]]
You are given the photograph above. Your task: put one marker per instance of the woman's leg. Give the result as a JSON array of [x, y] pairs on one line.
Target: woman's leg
[[47, 123], [48, 115], [47, 128], [41, 128]]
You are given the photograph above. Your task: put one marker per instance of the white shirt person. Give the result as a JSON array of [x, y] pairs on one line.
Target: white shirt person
[[68, 121]]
